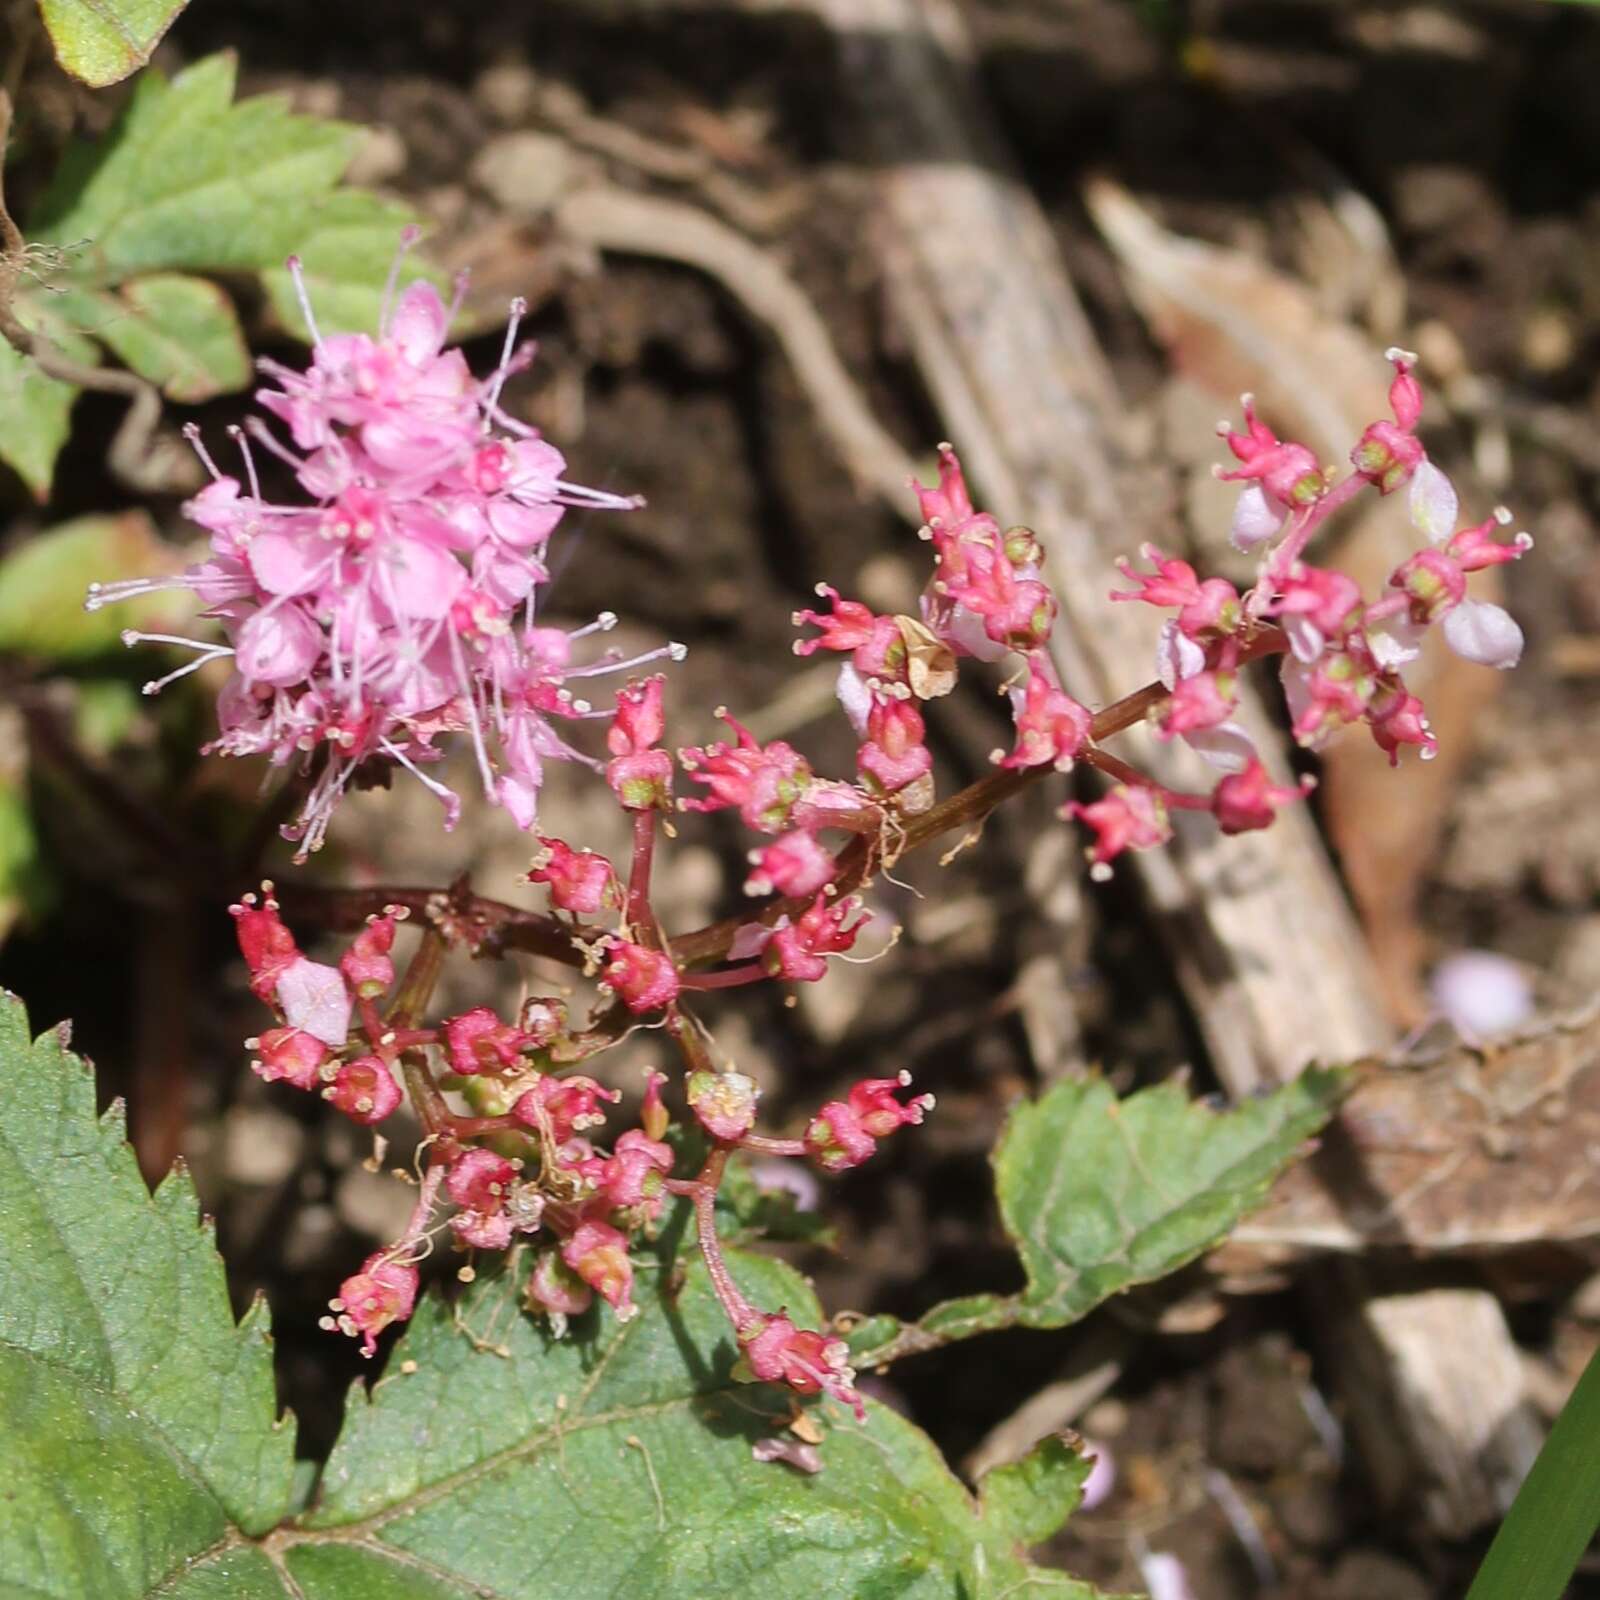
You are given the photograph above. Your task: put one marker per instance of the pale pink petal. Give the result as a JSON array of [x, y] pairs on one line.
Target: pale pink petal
[[1487, 634], [1433, 503], [315, 1000]]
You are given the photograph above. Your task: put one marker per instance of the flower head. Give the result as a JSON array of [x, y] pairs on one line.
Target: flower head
[[394, 603], [382, 1292]]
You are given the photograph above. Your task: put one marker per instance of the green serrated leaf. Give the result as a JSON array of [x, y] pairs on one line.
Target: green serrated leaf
[[1027, 1500], [618, 1461], [181, 333], [43, 583], [1100, 1194], [346, 248], [187, 180], [102, 41], [139, 1418]]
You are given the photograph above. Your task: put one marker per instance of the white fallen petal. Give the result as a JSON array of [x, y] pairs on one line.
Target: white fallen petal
[[1481, 993], [1102, 1474], [314, 999], [1487, 634], [1164, 1576], [1433, 503], [1254, 520]]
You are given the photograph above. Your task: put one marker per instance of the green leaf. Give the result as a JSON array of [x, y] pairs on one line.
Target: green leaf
[[1028, 1500], [188, 180], [43, 583], [102, 41], [35, 410], [138, 1418], [179, 332], [1100, 1194], [346, 251], [618, 1462], [1556, 1512]]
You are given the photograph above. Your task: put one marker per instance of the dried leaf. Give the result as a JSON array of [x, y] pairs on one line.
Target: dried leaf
[[1478, 1150]]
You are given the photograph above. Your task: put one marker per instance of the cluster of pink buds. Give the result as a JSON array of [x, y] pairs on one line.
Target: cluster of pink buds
[[521, 1161], [398, 602]]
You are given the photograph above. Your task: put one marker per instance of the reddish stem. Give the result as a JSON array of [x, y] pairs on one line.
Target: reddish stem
[[1122, 772], [727, 978], [763, 1146]]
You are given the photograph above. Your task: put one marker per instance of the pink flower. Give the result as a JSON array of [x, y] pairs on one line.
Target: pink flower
[[724, 1103], [639, 720], [631, 1176], [1205, 610], [393, 603], [557, 1288], [382, 1292], [1397, 717], [1130, 817], [1204, 701], [764, 782], [796, 949], [1247, 800], [894, 756], [598, 1253], [773, 1350], [580, 881], [480, 1182], [564, 1105], [1317, 605], [1287, 472], [478, 1041], [643, 979], [845, 1133], [290, 1054], [365, 1090], [795, 863], [366, 965], [268, 947], [848, 625], [1051, 726], [1476, 547]]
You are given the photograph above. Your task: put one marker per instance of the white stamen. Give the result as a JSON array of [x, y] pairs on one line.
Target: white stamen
[[298, 277], [408, 237], [156, 685], [519, 309]]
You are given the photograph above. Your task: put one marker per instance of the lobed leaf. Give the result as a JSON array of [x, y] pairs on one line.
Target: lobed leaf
[[139, 1417], [102, 41], [188, 180], [1100, 1194], [619, 1462], [181, 333]]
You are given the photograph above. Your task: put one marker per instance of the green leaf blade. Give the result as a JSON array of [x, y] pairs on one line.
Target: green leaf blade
[[101, 41], [1101, 1194], [179, 332], [618, 1461], [118, 1296]]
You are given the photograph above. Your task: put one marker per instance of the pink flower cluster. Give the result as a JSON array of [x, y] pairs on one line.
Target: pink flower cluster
[[398, 602]]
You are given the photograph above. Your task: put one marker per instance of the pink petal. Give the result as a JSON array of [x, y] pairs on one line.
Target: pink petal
[[314, 999]]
